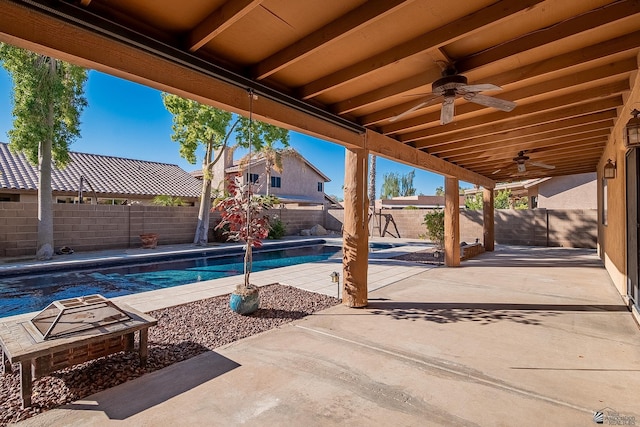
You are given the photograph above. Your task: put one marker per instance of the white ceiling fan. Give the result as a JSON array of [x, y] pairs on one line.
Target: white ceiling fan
[[521, 161], [453, 85]]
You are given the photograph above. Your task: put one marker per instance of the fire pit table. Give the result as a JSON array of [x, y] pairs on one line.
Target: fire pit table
[[69, 332]]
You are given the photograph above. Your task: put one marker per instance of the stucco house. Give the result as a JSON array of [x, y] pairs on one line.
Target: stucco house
[[92, 178], [299, 183]]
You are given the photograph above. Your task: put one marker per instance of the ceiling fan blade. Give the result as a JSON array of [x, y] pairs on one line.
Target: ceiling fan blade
[[478, 88], [489, 101], [427, 101], [446, 114], [542, 165]]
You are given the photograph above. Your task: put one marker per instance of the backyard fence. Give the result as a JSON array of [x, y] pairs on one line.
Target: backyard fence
[[96, 227]]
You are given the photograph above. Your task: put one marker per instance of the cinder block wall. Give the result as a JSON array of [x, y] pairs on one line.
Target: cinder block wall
[[537, 227], [300, 218], [93, 227]]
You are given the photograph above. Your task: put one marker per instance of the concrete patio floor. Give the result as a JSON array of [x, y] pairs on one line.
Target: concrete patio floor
[[520, 336]]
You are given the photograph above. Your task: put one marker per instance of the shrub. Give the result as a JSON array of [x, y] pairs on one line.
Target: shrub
[[277, 229], [434, 220]]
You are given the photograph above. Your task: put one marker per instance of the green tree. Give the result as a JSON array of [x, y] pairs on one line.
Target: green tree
[[440, 191], [390, 185], [48, 99], [166, 200], [501, 200], [474, 202], [406, 184], [195, 124], [263, 139]]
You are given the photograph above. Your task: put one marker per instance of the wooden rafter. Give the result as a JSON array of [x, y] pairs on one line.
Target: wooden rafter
[[445, 34], [364, 15], [221, 19]]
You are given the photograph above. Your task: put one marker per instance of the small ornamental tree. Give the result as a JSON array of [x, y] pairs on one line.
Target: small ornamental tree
[[434, 220], [242, 213]]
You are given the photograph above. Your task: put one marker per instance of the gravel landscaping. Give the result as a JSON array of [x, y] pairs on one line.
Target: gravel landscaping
[[182, 332]]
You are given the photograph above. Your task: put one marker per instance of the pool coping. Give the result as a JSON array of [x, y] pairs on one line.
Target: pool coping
[[139, 256]]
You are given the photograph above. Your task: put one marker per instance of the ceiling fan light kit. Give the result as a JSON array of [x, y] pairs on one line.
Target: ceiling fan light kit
[[452, 85]]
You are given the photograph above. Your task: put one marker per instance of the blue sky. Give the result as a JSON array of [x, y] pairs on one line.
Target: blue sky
[[126, 119]]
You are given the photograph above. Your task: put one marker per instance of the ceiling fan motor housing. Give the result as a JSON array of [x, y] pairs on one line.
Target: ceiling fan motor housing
[[440, 86]]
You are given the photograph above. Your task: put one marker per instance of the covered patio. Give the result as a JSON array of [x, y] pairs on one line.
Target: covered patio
[[524, 336], [519, 336], [417, 82]]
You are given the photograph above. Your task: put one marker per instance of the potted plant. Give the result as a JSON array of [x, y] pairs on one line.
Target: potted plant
[[241, 212]]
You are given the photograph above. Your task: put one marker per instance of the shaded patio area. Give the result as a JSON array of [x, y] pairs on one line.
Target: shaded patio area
[[520, 336]]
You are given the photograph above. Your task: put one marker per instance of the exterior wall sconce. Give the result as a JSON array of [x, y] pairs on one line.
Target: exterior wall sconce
[[609, 170], [632, 130]]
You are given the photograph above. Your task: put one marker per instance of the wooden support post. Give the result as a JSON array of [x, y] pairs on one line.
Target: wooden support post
[[355, 235], [488, 219], [451, 222]]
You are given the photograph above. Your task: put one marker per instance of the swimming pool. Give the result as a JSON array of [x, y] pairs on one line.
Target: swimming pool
[[23, 294]]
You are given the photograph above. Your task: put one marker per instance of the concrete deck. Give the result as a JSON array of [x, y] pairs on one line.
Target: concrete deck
[[520, 336]]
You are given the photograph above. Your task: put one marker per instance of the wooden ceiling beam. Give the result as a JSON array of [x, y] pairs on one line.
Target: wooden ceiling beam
[[454, 152], [599, 51], [384, 146], [543, 111], [607, 71], [585, 22], [573, 147], [502, 149], [558, 162], [218, 21], [363, 16], [445, 143], [447, 33], [524, 122]]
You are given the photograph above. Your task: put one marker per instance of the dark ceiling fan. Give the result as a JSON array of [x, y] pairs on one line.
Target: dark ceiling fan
[[453, 85], [521, 161]]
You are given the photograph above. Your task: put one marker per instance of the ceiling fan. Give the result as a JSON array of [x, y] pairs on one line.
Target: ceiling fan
[[453, 85], [522, 160]]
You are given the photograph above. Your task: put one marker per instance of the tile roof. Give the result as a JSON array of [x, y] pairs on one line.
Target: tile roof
[[106, 174]]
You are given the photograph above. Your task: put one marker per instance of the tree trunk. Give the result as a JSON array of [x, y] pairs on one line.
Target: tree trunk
[[201, 237], [268, 165], [45, 193], [372, 192]]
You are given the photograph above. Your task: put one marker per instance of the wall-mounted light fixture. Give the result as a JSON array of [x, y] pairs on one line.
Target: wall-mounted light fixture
[[609, 170], [632, 130]]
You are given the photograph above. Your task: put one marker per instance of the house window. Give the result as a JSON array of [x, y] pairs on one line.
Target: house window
[[252, 178], [321, 186], [276, 182], [604, 201]]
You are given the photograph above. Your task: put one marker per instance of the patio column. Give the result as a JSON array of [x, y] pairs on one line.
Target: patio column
[[488, 220], [355, 234], [451, 222]]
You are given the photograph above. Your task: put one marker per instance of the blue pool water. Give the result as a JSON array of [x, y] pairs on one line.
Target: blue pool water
[[24, 294]]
